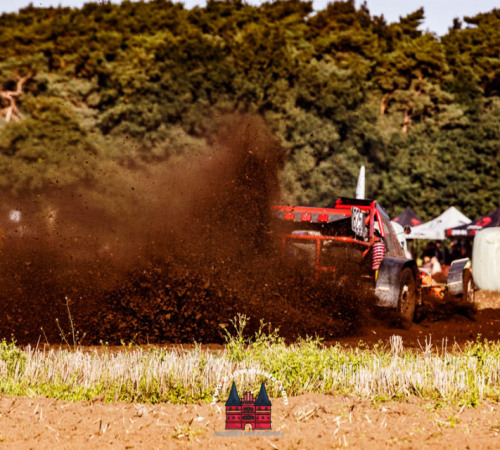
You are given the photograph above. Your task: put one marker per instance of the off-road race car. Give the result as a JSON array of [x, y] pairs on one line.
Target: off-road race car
[[354, 243]]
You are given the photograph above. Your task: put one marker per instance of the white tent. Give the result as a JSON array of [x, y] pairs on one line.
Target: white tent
[[434, 229]]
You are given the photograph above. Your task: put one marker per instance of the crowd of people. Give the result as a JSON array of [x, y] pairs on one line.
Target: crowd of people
[[437, 256]]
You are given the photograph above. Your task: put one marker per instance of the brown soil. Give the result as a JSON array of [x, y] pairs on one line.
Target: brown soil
[[161, 252], [309, 421], [170, 251], [457, 328]]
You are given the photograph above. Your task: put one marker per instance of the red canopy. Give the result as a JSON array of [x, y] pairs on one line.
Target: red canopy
[[407, 217], [470, 230]]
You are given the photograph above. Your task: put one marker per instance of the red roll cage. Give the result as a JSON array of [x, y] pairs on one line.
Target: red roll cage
[[341, 209]]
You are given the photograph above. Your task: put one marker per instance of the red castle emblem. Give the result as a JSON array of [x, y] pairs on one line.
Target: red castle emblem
[[248, 411]]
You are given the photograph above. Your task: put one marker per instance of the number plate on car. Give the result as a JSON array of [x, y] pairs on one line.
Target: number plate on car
[[358, 220]]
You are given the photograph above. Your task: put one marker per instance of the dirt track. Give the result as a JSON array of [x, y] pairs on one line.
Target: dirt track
[[309, 421], [169, 252], [447, 329]]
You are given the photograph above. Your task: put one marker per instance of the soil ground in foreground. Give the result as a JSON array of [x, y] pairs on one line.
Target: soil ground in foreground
[[441, 328], [457, 329], [309, 421], [438, 329]]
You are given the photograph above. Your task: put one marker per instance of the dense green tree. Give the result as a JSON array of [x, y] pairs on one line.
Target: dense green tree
[[145, 81], [47, 148]]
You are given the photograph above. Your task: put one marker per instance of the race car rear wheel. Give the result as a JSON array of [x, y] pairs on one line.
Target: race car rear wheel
[[407, 298], [469, 294]]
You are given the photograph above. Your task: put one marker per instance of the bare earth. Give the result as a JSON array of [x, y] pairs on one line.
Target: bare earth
[[446, 329], [309, 421]]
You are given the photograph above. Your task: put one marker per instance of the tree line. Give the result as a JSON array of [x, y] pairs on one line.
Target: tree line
[[340, 87]]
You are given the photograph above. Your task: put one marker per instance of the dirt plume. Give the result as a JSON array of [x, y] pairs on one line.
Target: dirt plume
[[162, 252]]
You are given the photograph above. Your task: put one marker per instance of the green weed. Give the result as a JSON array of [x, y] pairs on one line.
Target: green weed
[[385, 372]]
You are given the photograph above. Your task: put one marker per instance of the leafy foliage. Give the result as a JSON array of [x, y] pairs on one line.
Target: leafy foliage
[[339, 87]]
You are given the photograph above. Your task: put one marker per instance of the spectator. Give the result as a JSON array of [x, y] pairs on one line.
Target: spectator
[[437, 271], [427, 263], [435, 266]]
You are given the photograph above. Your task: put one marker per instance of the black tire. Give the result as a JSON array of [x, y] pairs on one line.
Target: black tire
[[407, 299], [469, 294]]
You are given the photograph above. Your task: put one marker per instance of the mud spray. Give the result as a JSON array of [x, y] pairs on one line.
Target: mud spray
[[162, 253]]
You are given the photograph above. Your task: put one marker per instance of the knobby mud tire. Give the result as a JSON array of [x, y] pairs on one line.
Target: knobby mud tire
[[407, 300], [469, 295]]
